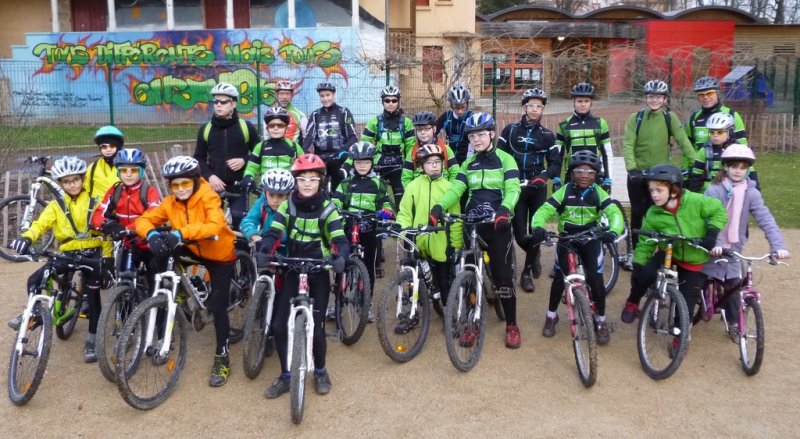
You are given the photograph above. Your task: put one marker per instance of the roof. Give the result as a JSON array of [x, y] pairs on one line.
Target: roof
[[641, 13]]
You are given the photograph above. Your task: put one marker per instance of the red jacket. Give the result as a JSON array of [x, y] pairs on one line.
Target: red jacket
[[127, 208]]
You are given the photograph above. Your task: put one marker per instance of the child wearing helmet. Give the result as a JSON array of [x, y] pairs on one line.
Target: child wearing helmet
[[583, 131], [425, 133], [68, 217], [720, 127], [275, 152], [276, 184], [742, 199], [102, 175], [539, 160], [707, 90], [313, 229], [490, 177], [579, 204], [392, 133], [452, 122], [194, 211], [284, 91], [677, 212]]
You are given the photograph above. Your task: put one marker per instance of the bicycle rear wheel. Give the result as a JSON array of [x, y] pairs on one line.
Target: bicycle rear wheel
[[26, 367], [118, 306], [255, 331], [145, 379], [611, 267], [465, 322], [12, 210], [584, 339], [401, 336], [239, 294], [353, 300], [297, 385], [663, 334], [71, 304], [751, 337]]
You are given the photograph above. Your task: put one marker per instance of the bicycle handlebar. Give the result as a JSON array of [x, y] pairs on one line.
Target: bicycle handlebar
[[303, 264], [470, 218], [581, 237], [79, 261], [657, 237], [772, 257]]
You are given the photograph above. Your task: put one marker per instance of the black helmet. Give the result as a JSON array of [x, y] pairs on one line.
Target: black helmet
[[706, 83], [424, 118], [326, 86], [584, 158], [458, 95], [276, 113], [362, 151], [665, 172], [534, 93], [583, 89]]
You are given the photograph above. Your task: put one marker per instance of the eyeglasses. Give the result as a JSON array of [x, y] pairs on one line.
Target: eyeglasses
[[706, 94], [433, 162], [391, 101], [68, 181], [423, 129], [276, 126], [534, 105], [129, 171], [177, 185], [108, 146], [478, 135], [587, 172], [308, 180], [717, 132], [222, 101]]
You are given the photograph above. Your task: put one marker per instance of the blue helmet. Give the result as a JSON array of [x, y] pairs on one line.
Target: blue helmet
[[109, 134], [130, 156], [479, 122]]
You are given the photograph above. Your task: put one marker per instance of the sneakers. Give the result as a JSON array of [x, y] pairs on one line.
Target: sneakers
[[322, 383], [549, 329], [278, 388], [330, 314], [631, 312], [536, 269], [89, 355], [370, 316], [526, 282], [406, 325], [15, 323], [220, 371], [468, 338], [603, 333], [512, 337]]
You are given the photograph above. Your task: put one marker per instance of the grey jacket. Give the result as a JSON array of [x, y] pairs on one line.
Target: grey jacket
[[753, 205]]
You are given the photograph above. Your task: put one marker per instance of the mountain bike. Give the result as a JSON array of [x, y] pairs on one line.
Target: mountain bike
[[45, 309], [663, 333], [258, 321], [618, 255], [748, 331], [18, 212], [353, 291]]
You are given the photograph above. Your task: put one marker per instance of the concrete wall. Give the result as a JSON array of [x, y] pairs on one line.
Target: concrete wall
[[33, 17]]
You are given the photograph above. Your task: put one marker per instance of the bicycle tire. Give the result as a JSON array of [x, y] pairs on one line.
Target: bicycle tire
[[71, 303], [459, 316], [402, 347], [11, 209], [23, 382], [297, 384], [356, 296], [611, 267], [584, 339], [751, 337], [116, 308], [143, 357], [436, 302], [255, 336], [659, 357], [239, 294]]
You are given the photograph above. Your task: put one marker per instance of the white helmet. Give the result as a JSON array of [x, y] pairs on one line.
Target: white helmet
[[181, 166], [656, 87], [720, 121], [223, 88], [279, 181], [67, 165]]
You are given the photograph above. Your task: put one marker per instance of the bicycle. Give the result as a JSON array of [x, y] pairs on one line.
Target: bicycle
[[354, 295], [618, 255], [404, 313], [258, 321], [44, 310], [578, 300], [19, 211], [749, 330], [662, 337]]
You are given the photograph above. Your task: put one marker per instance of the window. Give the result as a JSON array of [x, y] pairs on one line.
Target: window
[[432, 64], [262, 13], [515, 71], [423, 2], [141, 14], [188, 14]]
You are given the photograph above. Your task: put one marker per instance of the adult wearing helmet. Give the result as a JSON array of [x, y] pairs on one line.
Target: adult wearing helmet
[[490, 177], [425, 133], [539, 160], [647, 142], [223, 146], [707, 90], [194, 211], [276, 184], [68, 219], [330, 133], [392, 133], [276, 151], [452, 121], [579, 205], [284, 91], [721, 129], [584, 132], [677, 212]]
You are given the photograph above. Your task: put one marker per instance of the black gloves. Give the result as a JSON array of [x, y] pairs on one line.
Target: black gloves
[[247, 185], [710, 240], [112, 228], [635, 175], [436, 216], [501, 222], [538, 234], [338, 264], [608, 237], [162, 244], [539, 182], [21, 245]]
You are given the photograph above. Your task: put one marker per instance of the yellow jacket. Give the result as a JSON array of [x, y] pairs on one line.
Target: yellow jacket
[[104, 176], [53, 218]]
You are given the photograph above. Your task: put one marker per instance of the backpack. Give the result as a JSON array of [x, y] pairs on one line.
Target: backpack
[[242, 125], [667, 118], [381, 129], [142, 193], [323, 218], [65, 209], [599, 206]]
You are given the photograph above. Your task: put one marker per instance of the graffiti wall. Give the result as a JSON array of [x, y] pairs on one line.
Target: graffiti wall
[[158, 76]]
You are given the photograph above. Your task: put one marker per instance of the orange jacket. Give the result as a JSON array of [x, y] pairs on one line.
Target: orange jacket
[[197, 218]]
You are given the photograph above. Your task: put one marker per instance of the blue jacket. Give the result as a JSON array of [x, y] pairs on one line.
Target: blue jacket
[[258, 219]]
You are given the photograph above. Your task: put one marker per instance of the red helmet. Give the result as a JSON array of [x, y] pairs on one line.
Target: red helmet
[[308, 162]]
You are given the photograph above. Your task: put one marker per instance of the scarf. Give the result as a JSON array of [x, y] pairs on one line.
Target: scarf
[[736, 192]]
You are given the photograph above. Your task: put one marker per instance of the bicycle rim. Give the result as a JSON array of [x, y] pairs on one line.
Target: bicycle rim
[[26, 369], [11, 213], [751, 337], [239, 294], [353, 301], [116, 309], [401, 335], [584, 340], [464, 329], [255, 337], [663, 334], [297, 385]]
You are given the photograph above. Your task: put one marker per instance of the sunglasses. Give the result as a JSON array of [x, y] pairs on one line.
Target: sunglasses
[[705, 94], [584, 172], [717, 132], [108, 146], [391, 101], [129, 171], [222, 101], [276, 126], [306, 180], [175, 185]]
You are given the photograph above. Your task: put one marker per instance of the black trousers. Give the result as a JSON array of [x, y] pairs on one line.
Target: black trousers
[[530, 199], [589, 256], [690, 282], [640, 199]]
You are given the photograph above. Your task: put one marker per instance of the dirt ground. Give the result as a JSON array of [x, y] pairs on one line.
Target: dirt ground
[[530, 392]]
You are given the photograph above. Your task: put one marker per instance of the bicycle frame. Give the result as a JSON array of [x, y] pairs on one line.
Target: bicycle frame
[[270, 281], [172, 306], [574, 279], [26, 317], [33, 193], [477, 267]]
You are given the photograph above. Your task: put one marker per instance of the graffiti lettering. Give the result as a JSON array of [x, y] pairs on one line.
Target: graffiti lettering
[[55, 99], [67, 54], [323, 53], [148, 53], [255, 52]]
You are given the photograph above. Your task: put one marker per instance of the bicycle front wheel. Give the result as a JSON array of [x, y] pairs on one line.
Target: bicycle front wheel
[[465, 322], [26, 367], [663, 334], [751, 337], [71, 304], [297, 385], [117, 308], [12, 210], [255, 331], [145, 378], [402, 335], [239, 294], [584, 339], [353, 300]]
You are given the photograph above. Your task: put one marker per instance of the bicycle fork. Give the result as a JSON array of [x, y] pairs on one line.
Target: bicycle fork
[[414, 294], [270, 302], [307, 310], [172, 307], [478, 270], [19, 345]]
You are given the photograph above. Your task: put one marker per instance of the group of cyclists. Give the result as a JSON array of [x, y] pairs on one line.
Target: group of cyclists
[[415, 169]]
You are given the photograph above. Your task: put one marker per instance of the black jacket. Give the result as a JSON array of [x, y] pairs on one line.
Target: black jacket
[[225, 142]]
